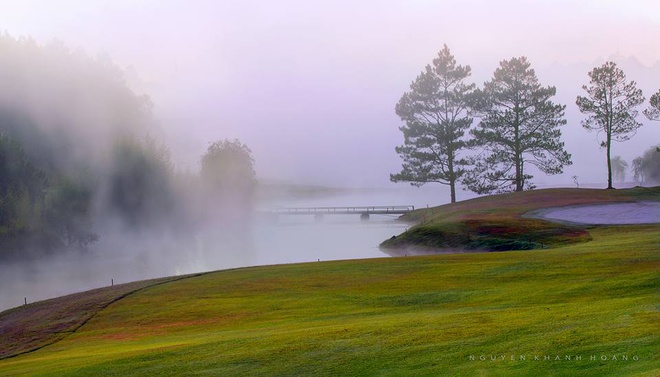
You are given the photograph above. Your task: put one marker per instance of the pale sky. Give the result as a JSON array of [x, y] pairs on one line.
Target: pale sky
[[311, 86]]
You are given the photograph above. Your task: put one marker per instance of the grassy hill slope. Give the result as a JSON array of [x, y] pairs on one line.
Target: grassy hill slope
[[432, 315], [34, 326], [497, 223]]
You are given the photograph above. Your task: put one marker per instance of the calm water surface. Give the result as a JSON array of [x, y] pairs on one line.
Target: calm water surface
[[289, 240]]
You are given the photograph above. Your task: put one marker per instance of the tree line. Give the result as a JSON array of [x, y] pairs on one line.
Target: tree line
[[519, 125], [77, 157]]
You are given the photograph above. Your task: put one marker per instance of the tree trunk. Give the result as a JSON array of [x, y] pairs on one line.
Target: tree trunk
[[452, 186], [518, 158], [519, 182], [609, 158], [610, 123], [452, 174], [519, 171], [609, 161]]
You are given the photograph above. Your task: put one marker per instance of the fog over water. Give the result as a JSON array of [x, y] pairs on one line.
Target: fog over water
[[289, 240], [310, 87]]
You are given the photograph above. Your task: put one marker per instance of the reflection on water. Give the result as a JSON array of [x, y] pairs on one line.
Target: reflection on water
[[219, 246], [301, 240]]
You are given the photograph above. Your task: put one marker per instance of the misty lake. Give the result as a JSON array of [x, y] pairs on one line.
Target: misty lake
[[291, 239]]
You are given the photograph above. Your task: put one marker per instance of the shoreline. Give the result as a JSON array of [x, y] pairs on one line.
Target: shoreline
[[643, 212], [472, 227], [412, 251]]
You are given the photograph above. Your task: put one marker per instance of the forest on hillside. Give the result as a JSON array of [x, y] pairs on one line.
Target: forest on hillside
[[79, 155]]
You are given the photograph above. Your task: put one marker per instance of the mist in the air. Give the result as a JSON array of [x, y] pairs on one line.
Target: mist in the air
[[109, 110]]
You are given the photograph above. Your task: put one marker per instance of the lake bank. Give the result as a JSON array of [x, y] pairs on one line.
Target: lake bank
[[508, 221]]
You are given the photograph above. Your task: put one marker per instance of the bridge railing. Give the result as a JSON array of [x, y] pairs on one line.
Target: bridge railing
[[344, 210]]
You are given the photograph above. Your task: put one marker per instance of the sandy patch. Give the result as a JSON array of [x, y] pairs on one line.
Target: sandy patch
[[603, 214]]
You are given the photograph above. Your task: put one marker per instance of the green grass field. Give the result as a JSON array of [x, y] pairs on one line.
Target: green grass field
[[585, 308], [498, 222]]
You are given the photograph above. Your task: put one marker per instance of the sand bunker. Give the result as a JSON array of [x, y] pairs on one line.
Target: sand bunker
[[603, 214]]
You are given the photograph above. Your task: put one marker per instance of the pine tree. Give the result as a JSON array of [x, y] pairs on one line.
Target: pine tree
[[519, 127], [653, 112], [435, 112]]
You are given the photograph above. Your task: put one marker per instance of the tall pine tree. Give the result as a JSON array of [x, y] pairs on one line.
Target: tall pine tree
[[519, 127], [435, 112]]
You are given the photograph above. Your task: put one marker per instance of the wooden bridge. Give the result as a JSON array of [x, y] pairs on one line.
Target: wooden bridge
[[364, 212]]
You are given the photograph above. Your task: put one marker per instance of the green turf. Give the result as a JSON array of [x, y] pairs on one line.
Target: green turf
[[34, 326], [498, 223], [432, 315]]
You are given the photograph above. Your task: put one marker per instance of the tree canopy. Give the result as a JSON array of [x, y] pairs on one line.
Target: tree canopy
[[139, 188], [435, 112], [653, 112], [63, 116], [77, 161], [228, 168], [520, 126], [646, 168], [611, 105], [619, 167]]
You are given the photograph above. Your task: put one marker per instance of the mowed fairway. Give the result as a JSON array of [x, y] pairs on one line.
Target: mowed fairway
[[583, 309]]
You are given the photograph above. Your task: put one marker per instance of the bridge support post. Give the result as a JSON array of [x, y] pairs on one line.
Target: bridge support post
[[318, 217], [364, 216]]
